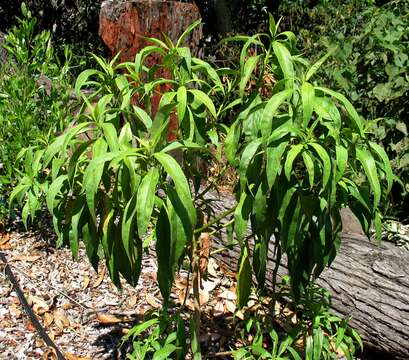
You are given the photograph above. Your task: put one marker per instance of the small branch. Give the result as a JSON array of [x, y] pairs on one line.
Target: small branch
[[221, 227], [215, 221]]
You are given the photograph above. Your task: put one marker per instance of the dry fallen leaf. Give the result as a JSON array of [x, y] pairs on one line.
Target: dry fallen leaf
[[49, 354], [30, 327], [205, 243], [85, 282], [15, 311], [132, 301], [109, 319], [218, 309], [212, 267], [60, 320], [69, 356], [100, 278], [228, 295], [152, 301], [40, 306], [209, 286], [190, 305], [204, 297], [181, 282], [4, 238], [48, 319], [240, 315], [230, 306], [28, 258]]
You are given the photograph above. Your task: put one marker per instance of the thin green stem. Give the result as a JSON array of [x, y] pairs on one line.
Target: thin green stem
[[215, 221]]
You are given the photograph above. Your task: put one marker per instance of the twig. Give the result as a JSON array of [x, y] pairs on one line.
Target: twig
[[29, 312], [215, 221], [218, 354]]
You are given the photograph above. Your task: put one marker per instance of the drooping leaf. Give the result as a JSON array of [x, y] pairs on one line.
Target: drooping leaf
[[369, 165], [248, 70], [244, 281]]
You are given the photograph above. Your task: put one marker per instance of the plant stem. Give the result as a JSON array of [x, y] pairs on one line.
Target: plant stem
[[218, 219], [196, 301]]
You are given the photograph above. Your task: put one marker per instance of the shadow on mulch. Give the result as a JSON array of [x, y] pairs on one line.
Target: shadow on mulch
[[111, 342]]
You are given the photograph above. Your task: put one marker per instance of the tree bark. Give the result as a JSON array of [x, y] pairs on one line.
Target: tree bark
[[367, 281]]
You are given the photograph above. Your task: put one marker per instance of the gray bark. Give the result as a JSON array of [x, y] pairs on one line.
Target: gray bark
[[367, 281]]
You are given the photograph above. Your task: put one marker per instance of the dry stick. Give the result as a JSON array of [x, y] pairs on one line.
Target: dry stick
[[196, 293], [41, 331]]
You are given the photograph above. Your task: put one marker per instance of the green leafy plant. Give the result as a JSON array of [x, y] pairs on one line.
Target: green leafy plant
[[314, 334], [370, 65], [298, 149], [157, 338], [34, 96]]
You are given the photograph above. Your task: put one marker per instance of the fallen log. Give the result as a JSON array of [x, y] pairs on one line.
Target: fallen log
[[368, 282]]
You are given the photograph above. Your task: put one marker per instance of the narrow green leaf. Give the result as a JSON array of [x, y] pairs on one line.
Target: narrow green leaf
[[248, 69], [54, 190], [286, 63], [244, 279], [204, 99], [291, 156], [309, 164], [82, 79], [182, 186], [307, 95], [248, 154], [326, 162], [232, 143], [341, 154], [143, 117], [369, 165], [146, 199], [187, 32], [181, 97], [387, 168], [356, 120], [111, 136], [314, 68], [273, 166], [270, 110]]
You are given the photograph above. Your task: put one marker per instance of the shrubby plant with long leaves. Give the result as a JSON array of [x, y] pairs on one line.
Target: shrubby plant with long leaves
[[300, 150]]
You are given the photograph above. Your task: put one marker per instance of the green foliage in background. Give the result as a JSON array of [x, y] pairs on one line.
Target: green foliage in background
[[70, 22], [34, 96], [370, 65]]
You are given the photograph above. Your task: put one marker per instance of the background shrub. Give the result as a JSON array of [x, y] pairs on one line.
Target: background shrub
[[370, 65], [70, 21], [34, 96]]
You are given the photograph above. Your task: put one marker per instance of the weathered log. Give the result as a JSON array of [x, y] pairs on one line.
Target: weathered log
[[367, 281]]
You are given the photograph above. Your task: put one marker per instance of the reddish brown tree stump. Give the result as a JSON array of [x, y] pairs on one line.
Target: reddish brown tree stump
[[125, 25]]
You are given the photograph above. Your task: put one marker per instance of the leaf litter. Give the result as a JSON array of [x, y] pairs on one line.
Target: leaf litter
[[86, 315]]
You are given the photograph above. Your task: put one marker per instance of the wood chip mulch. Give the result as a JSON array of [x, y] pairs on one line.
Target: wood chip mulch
[[83, 312]]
